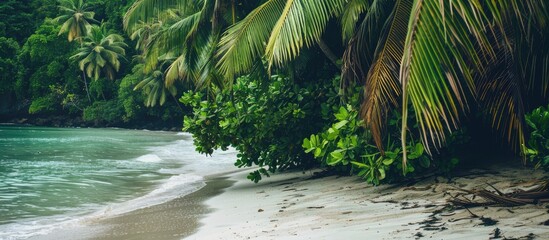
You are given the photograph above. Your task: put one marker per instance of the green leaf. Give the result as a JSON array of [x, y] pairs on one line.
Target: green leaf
[[417, 151], [318, 152], [307, 145], [340, 124], [336, 157], [342, 114], [359, 164], [381, 173], [332, 134], [388, 161]]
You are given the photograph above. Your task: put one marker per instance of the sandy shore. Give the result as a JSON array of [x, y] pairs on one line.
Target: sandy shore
[[301, 206], [174, 219], [297, 206]]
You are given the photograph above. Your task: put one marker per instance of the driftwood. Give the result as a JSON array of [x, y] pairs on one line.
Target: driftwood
[[470, 198]]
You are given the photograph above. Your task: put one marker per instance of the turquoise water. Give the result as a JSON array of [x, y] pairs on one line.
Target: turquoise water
[[49, 176]]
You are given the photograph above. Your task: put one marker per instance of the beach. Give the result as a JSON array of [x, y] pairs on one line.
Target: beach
[[175, 219], [309, 205], [300, 205]]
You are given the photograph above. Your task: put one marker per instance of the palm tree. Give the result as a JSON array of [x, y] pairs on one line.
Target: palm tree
[[101, 53], [286, 26], [446, 56], [144, 33], [154, 85], [207, 57], [190, 32], [75, 20], [438, 57], [75, 17]]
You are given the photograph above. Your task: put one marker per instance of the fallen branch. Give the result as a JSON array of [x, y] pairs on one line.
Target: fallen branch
[[518, 198]]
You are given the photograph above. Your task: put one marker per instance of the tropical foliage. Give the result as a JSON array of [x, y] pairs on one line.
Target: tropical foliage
[[100, 53], [537, 149], [76, 18], [265, 121], [424, 69]]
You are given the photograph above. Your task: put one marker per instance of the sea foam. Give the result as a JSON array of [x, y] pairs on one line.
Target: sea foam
[[149, 158]]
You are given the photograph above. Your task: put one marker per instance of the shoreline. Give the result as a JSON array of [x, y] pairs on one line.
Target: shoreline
[[174, 219], [81, 124], [302, 205]]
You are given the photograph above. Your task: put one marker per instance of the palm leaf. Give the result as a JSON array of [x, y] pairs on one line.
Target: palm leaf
[[144, 10], [360, 51], [350, 17], [243, 42], [500, 94], [438, 53], [382, 88], [301, 23]]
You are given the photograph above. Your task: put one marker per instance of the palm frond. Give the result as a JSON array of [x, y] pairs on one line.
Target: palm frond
[[243, 42], [144, 10], [350, 17], [499, 92], [176, 70], [360, 51], [301, 24], [381, 88], [438, 54]]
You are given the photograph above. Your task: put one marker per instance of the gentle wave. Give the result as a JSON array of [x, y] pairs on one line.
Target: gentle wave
[[174, 187], [178, 159], [149, 158]]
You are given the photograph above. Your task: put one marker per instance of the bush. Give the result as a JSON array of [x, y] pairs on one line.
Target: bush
[[537, 149], [348, 143], [46, 104], [265, 121], [104, 112]]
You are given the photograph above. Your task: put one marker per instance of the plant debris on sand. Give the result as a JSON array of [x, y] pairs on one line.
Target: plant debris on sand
[[536, 195]]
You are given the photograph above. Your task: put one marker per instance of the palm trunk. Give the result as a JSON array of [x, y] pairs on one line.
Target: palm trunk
[[86, 86], [328, 52], [84, 75], [233, 11]]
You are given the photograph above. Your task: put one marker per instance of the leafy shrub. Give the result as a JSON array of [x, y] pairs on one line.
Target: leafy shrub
[[537, 149], [49, 103], [347, 142], [265, 121], [109, 112], [46, 104]]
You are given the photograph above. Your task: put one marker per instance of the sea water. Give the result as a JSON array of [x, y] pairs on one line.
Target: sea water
[[51, 178]]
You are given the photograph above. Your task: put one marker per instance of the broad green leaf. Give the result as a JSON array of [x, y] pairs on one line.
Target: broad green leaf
[[340, 124], [388, 161], [381, 173], [336, 157], [342, 114]]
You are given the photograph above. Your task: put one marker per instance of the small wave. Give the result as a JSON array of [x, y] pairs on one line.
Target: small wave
[[149, 158], [176, 186]]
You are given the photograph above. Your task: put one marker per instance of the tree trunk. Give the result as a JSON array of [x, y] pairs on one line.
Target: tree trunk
[[84, 74], [86, 86], [328, 52], [233, 11]]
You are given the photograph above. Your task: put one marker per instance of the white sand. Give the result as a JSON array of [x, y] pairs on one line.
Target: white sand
[[294, 206]]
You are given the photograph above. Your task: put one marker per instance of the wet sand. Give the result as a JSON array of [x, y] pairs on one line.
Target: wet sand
[[175, 219], [301, 206]]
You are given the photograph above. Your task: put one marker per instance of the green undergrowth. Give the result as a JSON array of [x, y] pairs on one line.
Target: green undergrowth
[[280, 124], [265, 121], [537, 148]]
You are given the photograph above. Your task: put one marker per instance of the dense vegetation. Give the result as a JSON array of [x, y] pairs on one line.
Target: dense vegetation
[[41, 70], [380, 88]]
